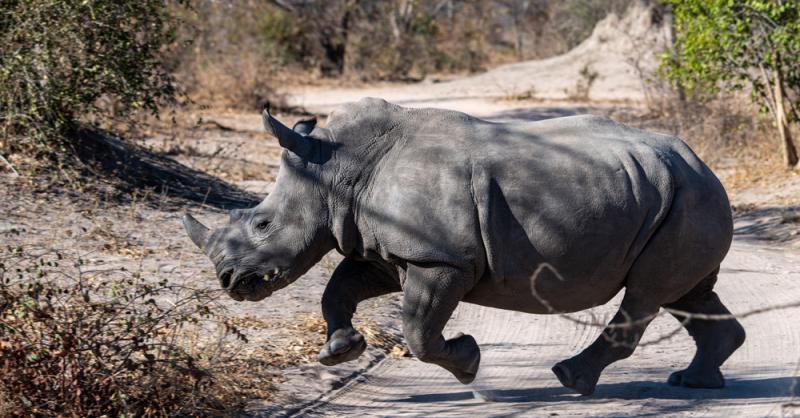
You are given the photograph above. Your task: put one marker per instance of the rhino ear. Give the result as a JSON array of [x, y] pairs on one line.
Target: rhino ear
[[288, 138], [305, 126], [197, 231]]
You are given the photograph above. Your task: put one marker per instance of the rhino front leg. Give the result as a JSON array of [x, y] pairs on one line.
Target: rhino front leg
[[430, 295], [352, 282]]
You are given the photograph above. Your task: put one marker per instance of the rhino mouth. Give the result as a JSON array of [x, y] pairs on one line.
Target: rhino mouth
[[257, 286], [277, 278]]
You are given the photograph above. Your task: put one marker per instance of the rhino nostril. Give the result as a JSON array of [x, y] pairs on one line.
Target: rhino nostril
[[225, 278]]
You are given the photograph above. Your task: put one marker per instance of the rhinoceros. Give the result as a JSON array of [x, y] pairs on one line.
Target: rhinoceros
[[445, 208]]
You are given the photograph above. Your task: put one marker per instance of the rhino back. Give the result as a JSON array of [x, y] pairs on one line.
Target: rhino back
[[583, 194]]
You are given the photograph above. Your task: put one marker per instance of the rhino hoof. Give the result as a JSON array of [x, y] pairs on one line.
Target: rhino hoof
[[343, 345], [576, 375], [468, 347], [697, 379]]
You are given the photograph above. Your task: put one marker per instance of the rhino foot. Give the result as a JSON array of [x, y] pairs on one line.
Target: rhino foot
[[343, 345], [576, 374], [467, 350], [708, 379]]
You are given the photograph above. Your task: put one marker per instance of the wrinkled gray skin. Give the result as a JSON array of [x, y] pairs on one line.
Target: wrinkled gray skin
[[446, 208]]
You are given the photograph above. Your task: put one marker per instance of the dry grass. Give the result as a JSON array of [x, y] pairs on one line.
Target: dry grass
[[7, 406], [233, 82], [525, 95], [115, 244], [298, 340], [728, 133]]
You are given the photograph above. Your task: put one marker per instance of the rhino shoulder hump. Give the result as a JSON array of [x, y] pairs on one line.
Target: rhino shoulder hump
[[372, 101]]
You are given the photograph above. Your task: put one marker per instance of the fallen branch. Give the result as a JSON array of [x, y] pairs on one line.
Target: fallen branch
[[14, 170]]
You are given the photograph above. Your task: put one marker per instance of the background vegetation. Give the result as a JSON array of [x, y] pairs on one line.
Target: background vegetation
[[101, 62], [239, 52], [749, 45]]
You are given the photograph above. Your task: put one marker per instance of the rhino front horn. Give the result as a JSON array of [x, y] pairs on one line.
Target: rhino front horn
[[197, 231], [293, 141]]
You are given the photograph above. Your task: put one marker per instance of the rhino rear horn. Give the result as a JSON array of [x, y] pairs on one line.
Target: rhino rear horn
[[288, 138], [197, 231]]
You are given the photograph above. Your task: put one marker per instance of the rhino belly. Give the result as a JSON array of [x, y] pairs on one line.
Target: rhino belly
[[544, 290]]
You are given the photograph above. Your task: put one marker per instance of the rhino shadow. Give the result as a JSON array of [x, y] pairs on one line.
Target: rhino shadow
[[777, 387]]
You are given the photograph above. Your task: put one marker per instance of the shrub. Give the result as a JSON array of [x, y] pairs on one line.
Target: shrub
[[60, 57], [81, 342], [281, 36]]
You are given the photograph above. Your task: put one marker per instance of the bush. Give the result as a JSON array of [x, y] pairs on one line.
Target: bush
[[60, 57], [88, 343], [749, 45]]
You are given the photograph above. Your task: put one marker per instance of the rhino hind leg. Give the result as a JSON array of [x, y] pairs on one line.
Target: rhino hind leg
[[674, 264], [617, 342], [716, 339]]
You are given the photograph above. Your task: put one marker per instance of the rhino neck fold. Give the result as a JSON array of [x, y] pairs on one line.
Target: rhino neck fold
[[356, 165]]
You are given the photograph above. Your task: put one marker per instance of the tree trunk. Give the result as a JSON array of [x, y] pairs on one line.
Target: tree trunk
[[669, 16], [787, 143]]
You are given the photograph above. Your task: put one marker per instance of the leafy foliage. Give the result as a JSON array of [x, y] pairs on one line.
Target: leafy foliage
[[60, 57], [726, 40], [740, 44], [282, 37]]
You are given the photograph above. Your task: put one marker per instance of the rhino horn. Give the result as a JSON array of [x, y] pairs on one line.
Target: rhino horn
[[197, 231], [288, 138]]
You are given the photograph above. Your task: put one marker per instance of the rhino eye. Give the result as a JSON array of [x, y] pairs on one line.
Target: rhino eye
[[262, 225]]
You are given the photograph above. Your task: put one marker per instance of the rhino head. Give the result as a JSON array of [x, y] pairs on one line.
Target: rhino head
[[265, 248]]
